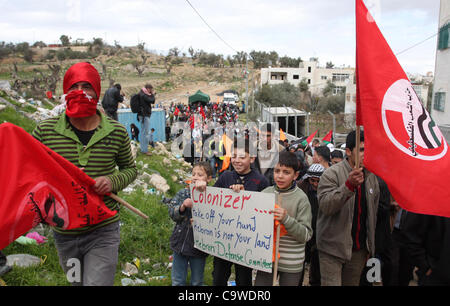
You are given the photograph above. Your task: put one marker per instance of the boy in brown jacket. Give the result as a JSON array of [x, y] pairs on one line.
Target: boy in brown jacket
[[348, 202]]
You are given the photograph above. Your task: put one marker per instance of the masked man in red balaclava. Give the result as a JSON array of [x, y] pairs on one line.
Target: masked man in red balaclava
[[96, 144]]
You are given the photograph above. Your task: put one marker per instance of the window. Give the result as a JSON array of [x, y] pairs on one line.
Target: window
[[337, 90], [443, 40], [323, 77], [309, 69], [439, 101], [296, 77], [340, 77], [309, 81]]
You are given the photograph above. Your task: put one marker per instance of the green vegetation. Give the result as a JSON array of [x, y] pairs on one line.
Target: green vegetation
[[9, 114]]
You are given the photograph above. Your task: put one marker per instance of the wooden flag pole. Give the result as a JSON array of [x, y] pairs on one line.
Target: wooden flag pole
[[277, 246], [358, 137], [127, 205]]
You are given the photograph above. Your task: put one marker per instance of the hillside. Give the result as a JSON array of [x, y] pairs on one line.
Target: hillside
[[185, 76]]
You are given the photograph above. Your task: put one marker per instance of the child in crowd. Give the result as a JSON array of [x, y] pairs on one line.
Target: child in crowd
[[134, 132], [294, 213], [241, 178], [182, 239]]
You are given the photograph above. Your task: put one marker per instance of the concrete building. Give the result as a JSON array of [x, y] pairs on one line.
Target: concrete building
[[440, 107], [315, 76]]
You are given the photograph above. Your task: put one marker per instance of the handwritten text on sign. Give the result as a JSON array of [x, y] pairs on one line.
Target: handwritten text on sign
[[237, 227]]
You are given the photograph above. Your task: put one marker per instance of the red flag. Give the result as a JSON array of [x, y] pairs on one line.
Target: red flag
[[328, 137], [202, 112], [38, 185], [403, 145]]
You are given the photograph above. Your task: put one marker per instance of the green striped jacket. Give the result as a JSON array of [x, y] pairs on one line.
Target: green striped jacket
[[109, 147]]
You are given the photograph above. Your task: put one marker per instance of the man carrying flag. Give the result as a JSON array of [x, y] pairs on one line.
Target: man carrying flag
[[403, 144], [96, 144], [348, 198]]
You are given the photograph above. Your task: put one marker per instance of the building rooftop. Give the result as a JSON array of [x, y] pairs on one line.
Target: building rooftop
[[284, 111]]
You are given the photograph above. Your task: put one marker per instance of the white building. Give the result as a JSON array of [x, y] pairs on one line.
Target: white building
[[440, 107], [316, 77]]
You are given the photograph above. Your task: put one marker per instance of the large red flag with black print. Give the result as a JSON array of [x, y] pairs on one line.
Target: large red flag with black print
[[38, 185], [403, 145]]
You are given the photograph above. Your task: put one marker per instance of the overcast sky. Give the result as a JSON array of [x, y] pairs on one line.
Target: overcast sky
[[297, 28]]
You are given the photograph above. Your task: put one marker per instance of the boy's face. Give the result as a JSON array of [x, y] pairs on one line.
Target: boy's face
[[241, 161], [352, 155], [284, 176], [314, 181], [199, 174]]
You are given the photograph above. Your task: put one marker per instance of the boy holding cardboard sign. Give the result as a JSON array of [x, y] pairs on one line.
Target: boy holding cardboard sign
[[241, 178], [294, 213]]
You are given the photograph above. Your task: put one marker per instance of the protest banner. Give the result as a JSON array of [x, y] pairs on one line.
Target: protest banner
[[236, 227]]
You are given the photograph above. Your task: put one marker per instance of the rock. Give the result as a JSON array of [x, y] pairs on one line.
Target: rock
[[2, 107], [166, 162], [159, 182], [5, 85]]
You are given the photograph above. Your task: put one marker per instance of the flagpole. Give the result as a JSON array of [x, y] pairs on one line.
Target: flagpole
[[358, 137], [129, 206], [277, 246]]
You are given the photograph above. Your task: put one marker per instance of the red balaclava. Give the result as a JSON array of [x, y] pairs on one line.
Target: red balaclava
[[78, 103]]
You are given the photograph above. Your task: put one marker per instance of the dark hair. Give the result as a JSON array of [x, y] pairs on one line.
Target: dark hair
[[337, 154], [323, 151], [289, 159], [148, 86], [205, 166], [118, 86], [350, 142]]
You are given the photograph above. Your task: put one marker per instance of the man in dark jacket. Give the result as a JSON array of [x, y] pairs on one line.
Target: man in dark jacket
[[111, 101], [428, 242], [309, 184], [147, 98]]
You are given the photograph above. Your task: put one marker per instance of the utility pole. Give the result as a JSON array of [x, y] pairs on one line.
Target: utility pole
[[334, 123], [246, 83]]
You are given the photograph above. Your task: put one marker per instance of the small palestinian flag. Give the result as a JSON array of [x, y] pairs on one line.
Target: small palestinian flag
[[328, 138], [310, 138]]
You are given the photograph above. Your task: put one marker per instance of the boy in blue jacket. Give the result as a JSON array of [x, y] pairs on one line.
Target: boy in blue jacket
[[182, 239], [241, 178]]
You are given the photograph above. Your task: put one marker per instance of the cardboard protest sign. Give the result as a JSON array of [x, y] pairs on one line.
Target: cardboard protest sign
[[237, 227]]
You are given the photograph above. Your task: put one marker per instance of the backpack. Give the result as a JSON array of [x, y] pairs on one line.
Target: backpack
[[135, 103]]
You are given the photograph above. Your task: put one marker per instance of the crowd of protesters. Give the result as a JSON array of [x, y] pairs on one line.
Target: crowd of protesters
[[338, 216]]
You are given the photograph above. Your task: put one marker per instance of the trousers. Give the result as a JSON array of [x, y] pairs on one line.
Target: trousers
[[90, 259]]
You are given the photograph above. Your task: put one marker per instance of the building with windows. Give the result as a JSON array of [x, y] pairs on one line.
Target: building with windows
[[315, 76], [440, 105]]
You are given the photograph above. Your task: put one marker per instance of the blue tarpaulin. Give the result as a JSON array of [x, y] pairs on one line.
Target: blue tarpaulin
[[157, 121]]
